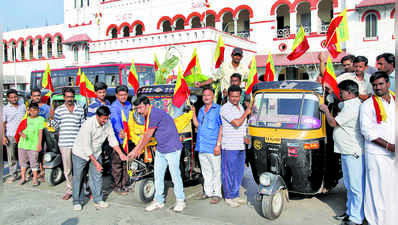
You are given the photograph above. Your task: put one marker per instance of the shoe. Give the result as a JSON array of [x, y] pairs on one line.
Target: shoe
[[240, 201], [22, 182], [101, 204], [348, 223], [342, 217], [67, 196], [77, 207], [120, 191], [232, 203], [202, 197], [215, 200], [180, 205], [154, 205]]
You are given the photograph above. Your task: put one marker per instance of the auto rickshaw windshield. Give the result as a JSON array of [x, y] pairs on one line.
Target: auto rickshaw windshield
[[286, 111]]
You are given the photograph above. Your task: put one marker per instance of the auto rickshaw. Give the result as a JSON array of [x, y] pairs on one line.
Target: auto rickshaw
[[141, 170], [290, 150]]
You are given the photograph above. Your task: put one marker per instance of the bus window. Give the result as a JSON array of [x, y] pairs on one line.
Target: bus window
[[70, 81], [96, 79], [110, 80]]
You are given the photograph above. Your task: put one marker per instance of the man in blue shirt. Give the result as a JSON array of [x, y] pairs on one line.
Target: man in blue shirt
[[100, 91], [119, 167], [208, 144]]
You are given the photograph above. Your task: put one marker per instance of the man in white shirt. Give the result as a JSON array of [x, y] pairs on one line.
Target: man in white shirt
[[348, 142], [378, 129], [86, 148], [386, 63]]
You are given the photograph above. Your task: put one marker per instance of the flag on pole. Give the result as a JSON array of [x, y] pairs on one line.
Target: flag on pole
[[181, 90], [269, 69], [133, 77], [252, 79], [329, 77], [22, 126], [157, 64], [300, 45], [46, 79], [86, 87], [337, 33], [126, 133], [45, 98], [191, 64], [219, 53], [78, 75]]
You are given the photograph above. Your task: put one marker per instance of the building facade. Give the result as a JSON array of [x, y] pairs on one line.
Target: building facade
[[115, 31]]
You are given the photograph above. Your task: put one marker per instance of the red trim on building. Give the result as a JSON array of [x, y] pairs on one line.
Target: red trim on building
[[39, 36], [48, 35], [34, 60], [110, 27], [60, 35], [297, 2], [293, 36], [12, 40], [368, 12], [80, 25], [124, 24], [208, 12], [160, 21], [19, 40], [282, 2], [31, 38], [264, 21], [392, 14], [365, 39], [242, 7], [110, 1], [224, 10], [136, 23], [178, 16], [348, 10], [194, 14]]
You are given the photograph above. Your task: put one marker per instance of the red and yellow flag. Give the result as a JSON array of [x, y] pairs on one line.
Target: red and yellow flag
[[192, 64], [86, 87], [46, 79], [337, 33], [22, 126], [181, 90], [329, 77], [252, 79], [157, 64], [269, 69], [126, 133], [381, 114], [133, 77], [219, 53], [78, 75], [45, 98], [300, 45]]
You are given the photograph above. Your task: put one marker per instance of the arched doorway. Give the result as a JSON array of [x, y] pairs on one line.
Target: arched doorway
[[179, 24], [126, 31], [210, 20], [244, 23], [228, 23], [49, 44], [166, 25], [195, 22], [283, 21], [325, 14], [303, 16]]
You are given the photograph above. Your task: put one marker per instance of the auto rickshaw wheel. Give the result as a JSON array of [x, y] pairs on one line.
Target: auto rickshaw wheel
[[145, 190], [272, 206], [54, 176]]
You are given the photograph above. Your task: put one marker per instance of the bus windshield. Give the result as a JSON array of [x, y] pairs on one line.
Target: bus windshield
[[286, 110]]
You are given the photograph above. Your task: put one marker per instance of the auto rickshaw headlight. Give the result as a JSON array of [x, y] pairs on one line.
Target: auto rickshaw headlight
[[47, 157], [265, 179], [134, 166]]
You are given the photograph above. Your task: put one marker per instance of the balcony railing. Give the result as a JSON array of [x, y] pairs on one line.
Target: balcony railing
[[324, 28], [283, 33], [244, 34], [307, 28]]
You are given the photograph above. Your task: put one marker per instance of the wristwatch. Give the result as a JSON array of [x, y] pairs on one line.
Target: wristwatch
[[218, 144]]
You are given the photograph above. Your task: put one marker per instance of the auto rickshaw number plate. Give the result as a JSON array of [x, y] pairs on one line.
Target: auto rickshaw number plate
[[273, 140], [257, 144]]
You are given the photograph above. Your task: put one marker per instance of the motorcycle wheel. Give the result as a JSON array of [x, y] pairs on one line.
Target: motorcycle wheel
[[272, 206], [54, 176], [145, 190]]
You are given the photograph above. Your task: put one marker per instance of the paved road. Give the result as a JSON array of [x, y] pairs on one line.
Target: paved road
[[43, 205]]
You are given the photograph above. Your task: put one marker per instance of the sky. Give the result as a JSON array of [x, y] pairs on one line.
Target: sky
[[20, 14]]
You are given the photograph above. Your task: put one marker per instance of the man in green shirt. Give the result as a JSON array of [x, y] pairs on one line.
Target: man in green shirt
[[29, 144]]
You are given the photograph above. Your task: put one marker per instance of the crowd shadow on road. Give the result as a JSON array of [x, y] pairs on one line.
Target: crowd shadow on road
[[71, 221]]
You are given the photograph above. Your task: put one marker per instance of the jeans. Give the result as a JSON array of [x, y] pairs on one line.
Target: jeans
[[162, 160], [354, 181], [95, 180], [12, 155]]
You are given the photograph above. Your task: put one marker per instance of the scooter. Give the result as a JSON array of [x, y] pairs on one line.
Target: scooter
[[53, 166]]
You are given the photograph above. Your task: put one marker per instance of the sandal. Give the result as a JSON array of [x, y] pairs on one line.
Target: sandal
[[215, 200], [22, 182], [202, 197], [35, 183]]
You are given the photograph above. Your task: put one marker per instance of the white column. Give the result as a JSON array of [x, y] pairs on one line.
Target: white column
[[27, 51], [293, 23], [54, 48], [315, 21], [35, 49], [219, 25], [18, 49], [235, 26], [9, 52]]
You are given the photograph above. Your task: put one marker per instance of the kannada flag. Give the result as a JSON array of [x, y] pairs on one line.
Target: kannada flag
[[181, 90], [78, 75], [191, 64], [269, 69], [126, 133], [300, 45], [157, 64], [46, 80], [133, 77], [329, 77], [381, 114], [45, 98], [337, 33], [219, 53], [22, 126], [252, 79], [86, 87]]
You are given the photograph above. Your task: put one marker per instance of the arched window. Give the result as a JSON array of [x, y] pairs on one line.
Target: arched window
[[371, 25], [325, 14], [113, 33], [22, 48], [39, 48], [5, 54], [138, 29], [283, 21], [179, 24], [59, 46], [244, 23], [49, 48], [30, 48], [303, 16], [86, 53], [195, 22], [13, 51], [126, 31], [228, 23], [166, 26], [75, 50], [210, 20]]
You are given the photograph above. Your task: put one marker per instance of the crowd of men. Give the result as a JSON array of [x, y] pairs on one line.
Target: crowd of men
[[363, 135]]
